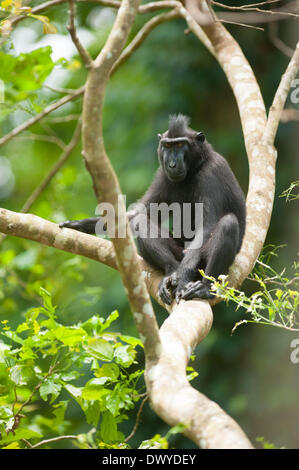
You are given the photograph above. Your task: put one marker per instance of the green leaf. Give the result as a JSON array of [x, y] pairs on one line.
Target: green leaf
[[59, 412], [108, 370], [124, 355], [70, 335], [19, 374], [108, 427], [131, 340], [13, 336], [94, 389], [7, 257], [49, 387], [112, 317], [113, 401], [92, 411], [26, 72], [76, 392], [94, 325], [20, 433], [47, 300], [100, 349], [91, 407], [5, 412]]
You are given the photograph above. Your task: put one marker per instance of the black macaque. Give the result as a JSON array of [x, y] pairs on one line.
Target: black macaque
[[190, 172]]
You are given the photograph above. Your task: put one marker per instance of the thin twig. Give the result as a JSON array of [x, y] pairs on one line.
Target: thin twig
[[53, 439], [17, 417], [27, 443], [49, 109], [252, 17], [267, 2], [15, 400], [278, 43], [66, 91], [241, 24], [146, 8], [124, 56], [59, 119], [56, 167], [138, 417], [251, 8], [280, 97], [87, 60], [142, 35], [44, 138]]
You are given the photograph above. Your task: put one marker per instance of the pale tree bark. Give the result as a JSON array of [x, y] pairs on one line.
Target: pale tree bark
[[168, 350], [105, 182]]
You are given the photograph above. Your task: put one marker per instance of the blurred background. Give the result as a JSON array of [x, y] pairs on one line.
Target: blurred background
[[248, 373]]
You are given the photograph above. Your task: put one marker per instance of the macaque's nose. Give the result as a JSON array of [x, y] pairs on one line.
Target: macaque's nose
[[172, 164]]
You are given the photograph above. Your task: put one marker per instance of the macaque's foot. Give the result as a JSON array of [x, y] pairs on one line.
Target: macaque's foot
[[194, 290], [74, 224], [167, 288], [84, 225]]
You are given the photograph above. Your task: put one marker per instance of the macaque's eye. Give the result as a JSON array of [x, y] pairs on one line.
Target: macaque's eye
[[167, 144], [180, 144]]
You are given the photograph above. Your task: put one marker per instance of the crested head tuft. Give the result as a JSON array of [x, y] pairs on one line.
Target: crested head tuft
[[178, 125]]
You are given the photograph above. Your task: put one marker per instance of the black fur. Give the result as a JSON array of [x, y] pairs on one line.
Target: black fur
[[190, 172]]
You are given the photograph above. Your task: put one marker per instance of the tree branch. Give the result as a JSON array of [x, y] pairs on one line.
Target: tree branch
[[73, 33], [277, 42], [105, 182], [34, 228], [289, 114], [53, 439], [280, 97], [170, 393], [252, 17], [55, 168], [261, 156], [49, 109], [135, 43], [142, 35]]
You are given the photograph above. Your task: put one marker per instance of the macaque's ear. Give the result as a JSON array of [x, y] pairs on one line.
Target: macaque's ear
[[159, 136], [200, 137]]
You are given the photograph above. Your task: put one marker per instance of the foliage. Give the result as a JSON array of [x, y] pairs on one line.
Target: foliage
[[43, 360], [274, 302], [25, 73], [161, 442], [289, 193]]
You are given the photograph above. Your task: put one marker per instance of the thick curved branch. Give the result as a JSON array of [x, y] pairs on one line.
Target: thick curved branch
[[171, 394], [32, 227], [105, 182], [259, 145], [261, 156], [280, 97]]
